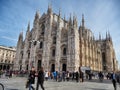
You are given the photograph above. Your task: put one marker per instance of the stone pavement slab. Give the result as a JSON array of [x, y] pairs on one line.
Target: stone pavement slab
[[18, 83]]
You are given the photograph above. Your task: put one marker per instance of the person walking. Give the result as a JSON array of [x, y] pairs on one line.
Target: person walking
[[31, 78], [100, 74], [113, 77], [77, 76], [40, 80], [46, 75], [81, 76]]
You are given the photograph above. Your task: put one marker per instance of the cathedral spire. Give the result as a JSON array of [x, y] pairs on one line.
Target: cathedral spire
[[59, 12], [99, 36], [106, 35], [83, 20], [64, 17], [28, 28], [49, 11], [70, 20], [59, 17], [36, 20], [109, 34], [37, 15], [75, 20], [64, 20], [20, 40], [28, 31]]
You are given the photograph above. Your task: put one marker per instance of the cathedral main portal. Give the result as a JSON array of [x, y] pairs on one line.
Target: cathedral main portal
[[64, 67]]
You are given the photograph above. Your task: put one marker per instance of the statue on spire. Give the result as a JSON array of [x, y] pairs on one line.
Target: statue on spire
[[75, 20]]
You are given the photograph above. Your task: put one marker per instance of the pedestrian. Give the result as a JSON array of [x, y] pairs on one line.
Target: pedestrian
[[77, 76], [46, 75], [31, 78], [100, 74], [63, 75], [118, 77], [81, 76], [40, 80], [114, 78]]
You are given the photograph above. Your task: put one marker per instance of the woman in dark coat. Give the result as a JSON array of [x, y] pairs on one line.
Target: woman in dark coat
[[40, 80]]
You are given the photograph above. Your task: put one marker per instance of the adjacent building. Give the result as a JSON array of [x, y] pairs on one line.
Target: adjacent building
[[7, 57], [59, 44]]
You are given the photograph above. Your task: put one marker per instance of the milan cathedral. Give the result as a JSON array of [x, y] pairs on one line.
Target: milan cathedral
[[57, 44]]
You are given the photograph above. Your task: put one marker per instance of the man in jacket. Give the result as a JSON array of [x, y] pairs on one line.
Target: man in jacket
[[114, 78], [40, 80], [31, 79]]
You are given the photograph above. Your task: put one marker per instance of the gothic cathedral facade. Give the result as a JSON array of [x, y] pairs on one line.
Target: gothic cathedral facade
[[55, 43]]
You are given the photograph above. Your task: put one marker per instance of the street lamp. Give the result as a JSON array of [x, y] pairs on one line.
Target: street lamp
[[35, 50]]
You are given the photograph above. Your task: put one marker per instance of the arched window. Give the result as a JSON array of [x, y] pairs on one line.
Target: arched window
[[64, 51], [53, 52], [54, 40], [5, 61], [41, 45], [29, 55], [43, 29], [22, 55]]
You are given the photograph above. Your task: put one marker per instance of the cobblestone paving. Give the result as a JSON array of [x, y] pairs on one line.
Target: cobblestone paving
[[18, 83]]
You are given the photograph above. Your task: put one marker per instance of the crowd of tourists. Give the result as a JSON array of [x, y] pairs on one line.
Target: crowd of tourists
[[6, 73], [60, 76]]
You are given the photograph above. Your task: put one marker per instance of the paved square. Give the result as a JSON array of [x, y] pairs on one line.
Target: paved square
[[18, 83]]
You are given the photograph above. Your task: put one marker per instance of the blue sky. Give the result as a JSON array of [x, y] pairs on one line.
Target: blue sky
[[101, 16]]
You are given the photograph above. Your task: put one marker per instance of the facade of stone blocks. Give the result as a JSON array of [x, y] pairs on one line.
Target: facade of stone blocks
[[7, 57]]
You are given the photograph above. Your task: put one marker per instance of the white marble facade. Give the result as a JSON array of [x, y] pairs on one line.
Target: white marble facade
[[59, 44]]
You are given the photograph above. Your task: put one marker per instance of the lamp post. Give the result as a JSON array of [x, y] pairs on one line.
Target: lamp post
[[34, 44]]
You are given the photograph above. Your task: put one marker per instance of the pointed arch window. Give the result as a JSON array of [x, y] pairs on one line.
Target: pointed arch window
[[41, 45], [54, 40], [64, 51], [29, 55], [21, 55], [53, 52], [43, 29]]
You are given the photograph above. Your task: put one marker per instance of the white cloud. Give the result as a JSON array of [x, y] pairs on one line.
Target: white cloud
[[9, 38]]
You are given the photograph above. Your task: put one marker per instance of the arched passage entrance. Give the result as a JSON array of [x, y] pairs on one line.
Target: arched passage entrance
[[52, 67], [8, 67], [64, 66], [0, 67], [4, 67]]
